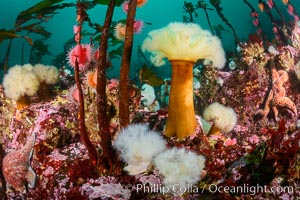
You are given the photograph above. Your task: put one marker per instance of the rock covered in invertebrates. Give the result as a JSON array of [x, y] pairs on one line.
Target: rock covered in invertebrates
[[16, 167]]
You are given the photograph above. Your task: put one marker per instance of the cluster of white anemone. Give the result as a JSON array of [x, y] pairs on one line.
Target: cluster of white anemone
[[25, 80], [142, 148]]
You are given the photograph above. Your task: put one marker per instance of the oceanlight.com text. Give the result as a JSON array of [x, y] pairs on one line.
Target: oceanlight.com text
[[213, 188], [250, 189]]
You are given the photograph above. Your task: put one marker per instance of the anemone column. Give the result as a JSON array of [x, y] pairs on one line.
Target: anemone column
[[181, 114]]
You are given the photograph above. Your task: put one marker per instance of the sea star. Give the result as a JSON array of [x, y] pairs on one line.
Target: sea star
[[16, 167], [276, 97]]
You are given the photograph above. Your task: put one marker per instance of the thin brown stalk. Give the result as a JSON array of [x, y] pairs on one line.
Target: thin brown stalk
[[106, 161], [125, 66], [22, 55], [5, 62], [81, 118]]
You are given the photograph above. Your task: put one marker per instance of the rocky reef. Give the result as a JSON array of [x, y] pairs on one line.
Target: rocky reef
[[245, 144]]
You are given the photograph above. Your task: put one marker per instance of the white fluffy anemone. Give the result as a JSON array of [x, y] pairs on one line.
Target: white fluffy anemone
[[180, 168], [19, 82], [148, 95], [137, 146], [222, 117], [47, 74], [184, 41]]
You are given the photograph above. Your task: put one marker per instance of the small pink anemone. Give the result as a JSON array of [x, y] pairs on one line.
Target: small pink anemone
[[290, 9], [138, 26], [73, 95], [254, 139], [83, 54], [96, 55], [230, 142], [113, 83], [77, 30], [139, 3], [125, 6], [270, 3]]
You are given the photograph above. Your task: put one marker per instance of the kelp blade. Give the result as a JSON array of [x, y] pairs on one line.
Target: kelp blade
[[5, 34]]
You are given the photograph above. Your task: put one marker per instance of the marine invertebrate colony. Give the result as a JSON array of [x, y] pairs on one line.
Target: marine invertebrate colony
[[148, 95], [223, 118], [138, 146], [183, 44], [83, 54], [180, 168], [120, 29], [47, 75], [139, 3], [91, 79], [16, 167], [19, 83]]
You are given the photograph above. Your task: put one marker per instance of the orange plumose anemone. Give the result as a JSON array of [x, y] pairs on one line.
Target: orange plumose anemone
[[91, 79], [120, 29], [183, 44], [140, 3]]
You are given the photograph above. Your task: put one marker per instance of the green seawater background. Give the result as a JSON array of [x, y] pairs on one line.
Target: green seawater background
[[158, 13]]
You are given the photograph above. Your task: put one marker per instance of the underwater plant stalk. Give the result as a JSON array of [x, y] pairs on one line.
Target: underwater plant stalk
[[289, 3], [268, 11], [125, 66], [81, 118], [208, 20], [5, 62], [106, 161], [218, 8], [259, 27], [189, 8], [284, 23], [203, 5], [280, 14], [279, 33], [22, 55], [181, 113]]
